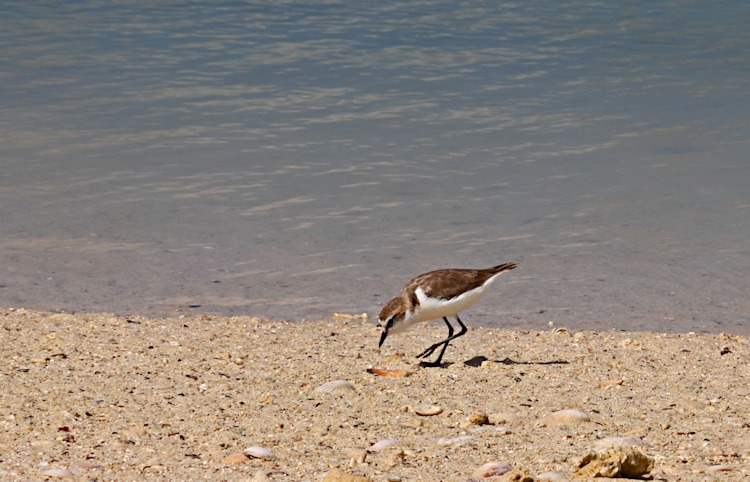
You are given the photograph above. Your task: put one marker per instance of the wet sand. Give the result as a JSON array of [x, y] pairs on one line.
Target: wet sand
[[105, 397]]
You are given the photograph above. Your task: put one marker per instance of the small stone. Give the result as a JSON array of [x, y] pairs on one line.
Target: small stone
[[565, 417], [480, 418], [491, 468], [428, 410], [625, 462]]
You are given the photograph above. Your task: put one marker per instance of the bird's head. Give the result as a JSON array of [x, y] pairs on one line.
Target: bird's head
[[392, 314]]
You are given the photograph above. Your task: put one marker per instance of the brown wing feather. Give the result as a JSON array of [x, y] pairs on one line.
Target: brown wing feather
[[452, 282]]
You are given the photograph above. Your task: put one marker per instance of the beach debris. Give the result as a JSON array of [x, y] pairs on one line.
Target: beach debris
[[338, 475], [715, 469], [427, 410], [257, 452], [624, 462], [383, 444], [564, 417], [456, 441], [335, 385], [491, 468], [389, 373]]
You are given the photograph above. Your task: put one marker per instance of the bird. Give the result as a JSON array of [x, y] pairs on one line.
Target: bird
[[437, 294]]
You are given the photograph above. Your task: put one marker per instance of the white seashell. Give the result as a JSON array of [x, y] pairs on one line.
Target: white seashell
[[492, 468], [618, 442], [562, 417], [457, 441], [61, 473], [715, 469], [259, 453], [428, 410], [335, 385], [383, 444]]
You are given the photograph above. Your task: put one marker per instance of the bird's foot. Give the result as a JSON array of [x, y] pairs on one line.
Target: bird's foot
[[434, 364], [429, 351]]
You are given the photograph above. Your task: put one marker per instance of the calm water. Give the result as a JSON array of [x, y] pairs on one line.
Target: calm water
[[294, 159]]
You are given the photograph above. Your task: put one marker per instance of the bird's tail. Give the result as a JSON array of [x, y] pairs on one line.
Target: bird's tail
[[503, 267]]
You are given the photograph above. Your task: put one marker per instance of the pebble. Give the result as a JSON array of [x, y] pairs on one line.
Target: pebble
[[715, 469], [565, 417], [491, 468], [480, 418], [335, 385], [626, 462], [427, 410], [259, 453], [456, 441]]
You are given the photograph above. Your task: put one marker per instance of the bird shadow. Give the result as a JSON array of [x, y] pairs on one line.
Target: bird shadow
[[478, 360]]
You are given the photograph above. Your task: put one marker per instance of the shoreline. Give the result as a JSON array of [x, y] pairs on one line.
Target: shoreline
[[113, 398]]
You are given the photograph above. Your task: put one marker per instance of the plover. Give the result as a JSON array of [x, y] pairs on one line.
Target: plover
[[438, 294]]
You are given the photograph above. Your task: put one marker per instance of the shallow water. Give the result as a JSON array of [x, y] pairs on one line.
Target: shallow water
[[297, 159]]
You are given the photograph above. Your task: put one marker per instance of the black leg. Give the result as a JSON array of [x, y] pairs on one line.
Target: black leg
[[429, 351], [445, 344]]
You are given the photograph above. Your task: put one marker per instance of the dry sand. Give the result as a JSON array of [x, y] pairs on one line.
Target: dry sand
[[105, 397]]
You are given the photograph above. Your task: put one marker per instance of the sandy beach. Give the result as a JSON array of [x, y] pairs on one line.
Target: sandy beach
[[104, 397]]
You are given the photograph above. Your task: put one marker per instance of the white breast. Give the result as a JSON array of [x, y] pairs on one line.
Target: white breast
[[431, 308]]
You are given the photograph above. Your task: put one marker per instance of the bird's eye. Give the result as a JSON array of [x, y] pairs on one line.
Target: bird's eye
[[389, 323]]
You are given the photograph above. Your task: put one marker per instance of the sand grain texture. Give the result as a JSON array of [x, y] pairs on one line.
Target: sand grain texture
[[106, 397]]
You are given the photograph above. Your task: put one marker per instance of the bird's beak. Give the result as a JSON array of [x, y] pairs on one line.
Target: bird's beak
[[383, 337]]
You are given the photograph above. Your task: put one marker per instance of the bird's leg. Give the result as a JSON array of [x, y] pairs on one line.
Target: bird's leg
[[434, 347], [445, 344]]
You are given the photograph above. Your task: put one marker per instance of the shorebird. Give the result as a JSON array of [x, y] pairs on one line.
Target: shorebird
[[438, 294]]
